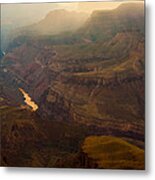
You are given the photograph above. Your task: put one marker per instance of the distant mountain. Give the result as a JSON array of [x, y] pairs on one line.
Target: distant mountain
[[100, 26], [15, 16], [55, 22], [103, 25]]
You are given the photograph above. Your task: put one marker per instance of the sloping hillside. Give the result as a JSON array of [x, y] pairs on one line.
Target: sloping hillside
[[113, 153]]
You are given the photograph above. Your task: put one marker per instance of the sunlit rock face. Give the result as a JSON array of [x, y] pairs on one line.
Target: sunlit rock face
[[28, 100]]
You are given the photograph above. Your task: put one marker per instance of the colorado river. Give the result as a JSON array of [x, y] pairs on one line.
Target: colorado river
[[28, 100]]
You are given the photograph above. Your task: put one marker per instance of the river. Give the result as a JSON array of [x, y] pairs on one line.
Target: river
[[28, 100]]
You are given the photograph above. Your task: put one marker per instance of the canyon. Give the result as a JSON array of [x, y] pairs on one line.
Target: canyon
[[90, 82]]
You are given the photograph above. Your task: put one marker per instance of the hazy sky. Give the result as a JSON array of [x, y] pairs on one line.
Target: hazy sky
[[23, 14]]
